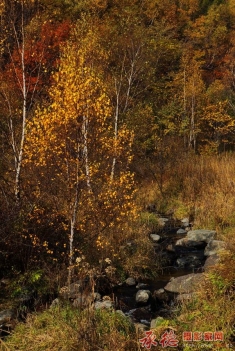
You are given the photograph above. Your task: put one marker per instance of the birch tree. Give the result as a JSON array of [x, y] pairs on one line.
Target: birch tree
[[19, 82], [73, 140]]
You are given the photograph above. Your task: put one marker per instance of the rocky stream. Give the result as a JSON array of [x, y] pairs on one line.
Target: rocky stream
[[188, 252]]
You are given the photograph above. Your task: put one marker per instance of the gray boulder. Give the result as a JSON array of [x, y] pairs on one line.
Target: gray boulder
[[130, 281], [211, 261], [201, 235], [142, 296], [185, 284], [214, 247], [185, 242], [196, 238]]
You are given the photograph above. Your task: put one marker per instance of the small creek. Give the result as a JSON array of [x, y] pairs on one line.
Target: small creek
[[180, 262]]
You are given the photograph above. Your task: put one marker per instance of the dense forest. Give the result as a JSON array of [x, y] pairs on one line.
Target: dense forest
[[109, 107]]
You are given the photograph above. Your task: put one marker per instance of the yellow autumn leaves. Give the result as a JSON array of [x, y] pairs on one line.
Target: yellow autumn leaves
[[71, 145]]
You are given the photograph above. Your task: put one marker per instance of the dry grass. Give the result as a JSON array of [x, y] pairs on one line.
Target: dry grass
[[202, 187], [69, 329]]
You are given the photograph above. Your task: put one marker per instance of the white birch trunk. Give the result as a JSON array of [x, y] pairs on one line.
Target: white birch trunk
[[24, 112], [85, 150], [115, 129]]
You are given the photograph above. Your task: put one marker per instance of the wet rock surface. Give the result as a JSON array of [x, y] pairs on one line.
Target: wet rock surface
[[185, 284]]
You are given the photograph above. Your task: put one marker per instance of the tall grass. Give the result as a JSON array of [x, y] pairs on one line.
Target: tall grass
[[66, 329], [202, 187]]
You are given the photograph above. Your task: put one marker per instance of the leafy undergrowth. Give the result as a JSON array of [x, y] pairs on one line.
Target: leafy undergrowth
[[66, 329]]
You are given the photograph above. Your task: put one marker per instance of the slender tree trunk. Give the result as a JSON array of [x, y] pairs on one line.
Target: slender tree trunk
[[24, 110], [192, 136], [85, 149], [185, 112], [73, 220], [117, 89]]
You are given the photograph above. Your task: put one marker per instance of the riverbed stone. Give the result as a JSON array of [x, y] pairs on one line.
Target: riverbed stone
[[142, 286], [201, 235], [142, 296], [107, 304], [130, 281], [181, 231], [6, 316], [185, 284], [161, 295], [214, 247], [155, 237], [196, 238], [185, 222], [211, 261], [186, 243]]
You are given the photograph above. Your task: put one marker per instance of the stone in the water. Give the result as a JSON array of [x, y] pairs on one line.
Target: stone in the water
[[142, 296], [130, 281], [201, 235], [185, 284], [155, 237], [186, 243], [141, 286], [161, 295], [181, 231]]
